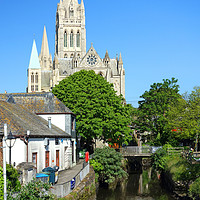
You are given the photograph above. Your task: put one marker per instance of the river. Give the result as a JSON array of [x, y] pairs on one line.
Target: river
[[143, 185]]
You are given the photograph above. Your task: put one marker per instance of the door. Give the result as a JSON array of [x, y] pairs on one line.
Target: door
[[34, 159], [46, 158], [73, 152], [57, 157]]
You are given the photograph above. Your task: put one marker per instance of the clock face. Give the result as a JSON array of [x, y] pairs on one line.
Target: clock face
[[92, 60]]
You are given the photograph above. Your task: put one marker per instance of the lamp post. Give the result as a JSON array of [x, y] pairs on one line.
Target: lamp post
[[79, 139], [10, 141], [4, 161]]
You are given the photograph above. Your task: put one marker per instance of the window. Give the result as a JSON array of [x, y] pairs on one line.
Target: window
[[73, 123], [36, 78], [36, 87], [71, 39], [65, 56], [46, 158], [34, 159], [56, 141], [65, 39], [32, 78], [78, 39], [32, 88], [72, 55], [71, 13]]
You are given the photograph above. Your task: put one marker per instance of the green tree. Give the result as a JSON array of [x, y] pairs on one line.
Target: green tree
[[184, 116], [152, 110], [100, 113]]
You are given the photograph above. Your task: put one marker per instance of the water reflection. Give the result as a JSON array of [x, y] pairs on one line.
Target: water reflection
[[139, 186]]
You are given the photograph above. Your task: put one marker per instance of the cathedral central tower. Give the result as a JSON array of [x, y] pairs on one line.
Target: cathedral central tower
[[70, 29], [70, 53]]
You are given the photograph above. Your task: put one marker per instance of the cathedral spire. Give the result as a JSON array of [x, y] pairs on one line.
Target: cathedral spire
[[45, 46], [120, 59], [82, 5], [34, 60]]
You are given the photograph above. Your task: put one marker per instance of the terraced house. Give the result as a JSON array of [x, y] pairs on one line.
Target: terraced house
[[44, 128]]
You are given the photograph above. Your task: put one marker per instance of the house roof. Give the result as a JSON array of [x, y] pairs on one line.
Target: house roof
[[44, 102], [20, 119]]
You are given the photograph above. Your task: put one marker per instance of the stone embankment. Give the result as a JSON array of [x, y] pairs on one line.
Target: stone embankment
[[178, 189]]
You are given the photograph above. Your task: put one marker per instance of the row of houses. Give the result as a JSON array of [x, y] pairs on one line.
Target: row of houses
[[44, 129]]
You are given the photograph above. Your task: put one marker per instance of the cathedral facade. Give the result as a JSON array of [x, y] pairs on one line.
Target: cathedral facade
[[70, 53]]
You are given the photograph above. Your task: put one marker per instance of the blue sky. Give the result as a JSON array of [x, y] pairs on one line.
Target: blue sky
[[158, 39]]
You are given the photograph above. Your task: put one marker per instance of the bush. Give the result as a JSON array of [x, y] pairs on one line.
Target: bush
[[1, 184], [13, 183], [194, 189], [107, 164], [12, 178], [34, 190], [159, 159]]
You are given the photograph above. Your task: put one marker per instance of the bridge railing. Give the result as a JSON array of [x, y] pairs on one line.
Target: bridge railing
[[136, 150], [141, 150]]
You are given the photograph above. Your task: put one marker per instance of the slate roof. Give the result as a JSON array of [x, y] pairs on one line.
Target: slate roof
[[20, 119], [37, 102]]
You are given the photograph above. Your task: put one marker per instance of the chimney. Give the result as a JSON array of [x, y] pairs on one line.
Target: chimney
[[49, 122]]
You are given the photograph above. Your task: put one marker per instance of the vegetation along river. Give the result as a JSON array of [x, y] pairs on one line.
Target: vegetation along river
[[142, 185]]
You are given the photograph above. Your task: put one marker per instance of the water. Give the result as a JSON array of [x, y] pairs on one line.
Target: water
[[143, 185]]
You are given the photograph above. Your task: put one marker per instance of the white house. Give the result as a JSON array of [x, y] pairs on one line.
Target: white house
[[38, 139]]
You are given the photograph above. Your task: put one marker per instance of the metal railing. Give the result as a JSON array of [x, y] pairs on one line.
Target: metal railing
[[135, 150]]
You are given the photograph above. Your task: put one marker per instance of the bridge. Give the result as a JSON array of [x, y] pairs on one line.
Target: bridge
[[135, 151]]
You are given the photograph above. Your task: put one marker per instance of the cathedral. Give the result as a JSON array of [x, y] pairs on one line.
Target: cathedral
[[70, 53]]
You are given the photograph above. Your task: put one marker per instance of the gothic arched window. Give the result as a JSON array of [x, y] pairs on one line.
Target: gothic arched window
[[36, 78], [32, 78], [65, 56], [72, 55], [71, 39], [78, 39], [65, 39]]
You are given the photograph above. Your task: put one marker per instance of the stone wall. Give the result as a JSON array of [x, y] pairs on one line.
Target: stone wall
[[86, 190]]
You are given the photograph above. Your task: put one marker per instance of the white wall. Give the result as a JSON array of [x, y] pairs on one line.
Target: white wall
[[56, 119], [37, 146], [18, 152]]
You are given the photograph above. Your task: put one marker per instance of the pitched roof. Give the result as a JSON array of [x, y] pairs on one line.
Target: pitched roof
[[19, 120], [38, 102]]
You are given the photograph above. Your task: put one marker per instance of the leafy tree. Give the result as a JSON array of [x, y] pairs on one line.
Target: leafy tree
[[100, 113], [152, 110], [184, 116], [107, 164]]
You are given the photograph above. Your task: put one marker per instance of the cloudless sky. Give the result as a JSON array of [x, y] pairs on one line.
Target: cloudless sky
[[158, 39]]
